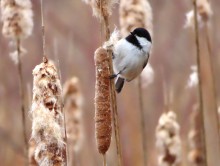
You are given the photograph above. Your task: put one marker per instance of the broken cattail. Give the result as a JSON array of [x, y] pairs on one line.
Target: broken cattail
[[102, 101], [17, 18], [204, 14], [73, 113], [48, 124], [196, 155], [133, 14], [168, 140]]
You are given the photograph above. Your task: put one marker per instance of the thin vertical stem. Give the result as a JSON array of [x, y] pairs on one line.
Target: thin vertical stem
[[43, 29], [200, 90], [208, 42], [143, 126], [104, 160], [22, 96], [113, 93]]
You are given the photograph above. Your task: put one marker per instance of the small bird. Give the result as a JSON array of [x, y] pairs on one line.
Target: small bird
[[130, 56]]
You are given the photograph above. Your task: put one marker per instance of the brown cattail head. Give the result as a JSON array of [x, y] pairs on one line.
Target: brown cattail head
[[101, 8], [134, 14], [73, 111], [48, 124], [196, 156], [204, 14], [102, 101], [17, 18], [168, 140]]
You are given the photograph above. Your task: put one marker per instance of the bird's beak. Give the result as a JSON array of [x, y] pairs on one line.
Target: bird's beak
[[132, 33]]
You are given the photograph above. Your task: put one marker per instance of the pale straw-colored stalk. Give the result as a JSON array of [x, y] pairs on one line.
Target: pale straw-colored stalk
[[134, 14], [200, 90], [196, 155], [18, 25], [73, 109]]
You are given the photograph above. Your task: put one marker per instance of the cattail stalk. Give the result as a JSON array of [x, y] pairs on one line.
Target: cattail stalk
[[72, 106], [43, 29], [168, 140], [31, 153], [22, 96], [134, 14], [208, 42], [196, 155], [102, 10], [47, 127], [200, 91], [17, 25], [102, 101]]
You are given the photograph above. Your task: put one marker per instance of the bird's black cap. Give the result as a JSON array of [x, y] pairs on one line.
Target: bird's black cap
[[141, 32]]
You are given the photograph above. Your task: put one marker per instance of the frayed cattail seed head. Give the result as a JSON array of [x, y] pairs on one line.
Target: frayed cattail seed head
[[193, 77], [17, 18], [196, 156], [168, 140], [48, 123], [204, 14], [101, 8], [134, 14], [73, 111], [102, 101]]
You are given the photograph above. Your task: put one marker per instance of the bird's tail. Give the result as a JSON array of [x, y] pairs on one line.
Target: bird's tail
[[119, 84]]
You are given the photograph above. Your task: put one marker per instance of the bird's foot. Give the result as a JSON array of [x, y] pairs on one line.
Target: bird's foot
[[112, 76]]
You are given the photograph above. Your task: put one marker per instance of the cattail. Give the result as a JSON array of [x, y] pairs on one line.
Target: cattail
[[101, 8], [133, 14], [48, 124], [204, 14], [168, 140], [17, 18], [73, 103], [102, 101], [196, 155]]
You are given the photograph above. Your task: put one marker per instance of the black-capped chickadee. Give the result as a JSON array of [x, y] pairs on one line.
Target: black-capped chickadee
[[130, 56]]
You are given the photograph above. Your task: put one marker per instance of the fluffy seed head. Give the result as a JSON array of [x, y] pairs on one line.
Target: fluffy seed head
[[17, 18], [147, 76], [134, 14], [193, 77], [204, 14], [168, 140], [101, 8], [46, 111]]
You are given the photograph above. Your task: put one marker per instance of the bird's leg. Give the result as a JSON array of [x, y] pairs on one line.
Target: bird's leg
[[114, 75]]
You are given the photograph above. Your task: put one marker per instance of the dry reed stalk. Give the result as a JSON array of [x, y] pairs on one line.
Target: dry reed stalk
[[43, 29], [200, 90], [102, 10], [134, 14], [31, 153], [72, 106], [102, 101], [168, 140], [17, 25], [196, 155], [47, 127]]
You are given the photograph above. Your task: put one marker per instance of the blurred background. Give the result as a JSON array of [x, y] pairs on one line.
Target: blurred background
[[72, 36]]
